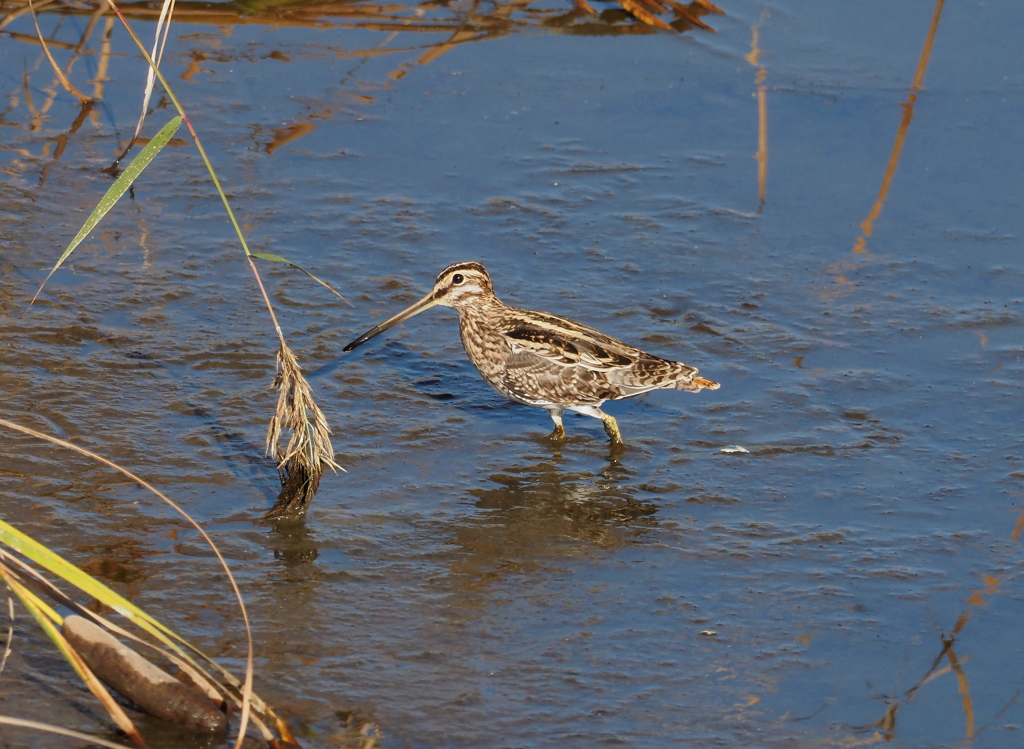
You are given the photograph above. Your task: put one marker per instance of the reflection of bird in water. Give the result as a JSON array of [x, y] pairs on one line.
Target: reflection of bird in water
[[541, 359], [534, 515]]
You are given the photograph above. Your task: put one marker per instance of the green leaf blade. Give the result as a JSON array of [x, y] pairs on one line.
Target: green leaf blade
[[53, 562], [116, 190], [278, 259]]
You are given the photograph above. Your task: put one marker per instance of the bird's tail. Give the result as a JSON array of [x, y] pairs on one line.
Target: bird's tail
[[696, 384]]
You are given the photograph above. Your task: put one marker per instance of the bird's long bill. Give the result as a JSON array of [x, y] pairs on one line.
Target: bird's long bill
[[425, 303]]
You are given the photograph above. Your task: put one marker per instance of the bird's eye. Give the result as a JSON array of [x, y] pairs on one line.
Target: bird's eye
[[457, 279]]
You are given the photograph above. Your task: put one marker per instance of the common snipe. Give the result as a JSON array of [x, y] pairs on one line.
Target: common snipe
[[541, 359]]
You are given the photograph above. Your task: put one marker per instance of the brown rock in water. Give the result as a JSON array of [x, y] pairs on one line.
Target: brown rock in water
[[153, 690]]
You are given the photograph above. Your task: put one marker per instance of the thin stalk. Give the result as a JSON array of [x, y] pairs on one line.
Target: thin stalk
[[202, 155], [303, 474]]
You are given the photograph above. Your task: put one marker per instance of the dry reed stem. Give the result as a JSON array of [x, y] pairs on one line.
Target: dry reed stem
[[301, 464], [10, 634], [309, 451], [60, 731]]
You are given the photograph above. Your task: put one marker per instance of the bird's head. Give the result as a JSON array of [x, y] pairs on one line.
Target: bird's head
[[462, 284], [459, 285]]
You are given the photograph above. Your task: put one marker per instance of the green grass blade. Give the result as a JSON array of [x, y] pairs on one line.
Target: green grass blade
[[44, 608], [286, 261], [31, 602], [43, 618], [53, 562], [56, 564], [116, 190], [49, 560]]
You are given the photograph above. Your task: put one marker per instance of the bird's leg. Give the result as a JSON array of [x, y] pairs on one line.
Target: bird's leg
[[556, 416], [611, 427]]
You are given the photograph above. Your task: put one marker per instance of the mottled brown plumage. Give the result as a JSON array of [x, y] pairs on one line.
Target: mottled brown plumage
[[541, 359]]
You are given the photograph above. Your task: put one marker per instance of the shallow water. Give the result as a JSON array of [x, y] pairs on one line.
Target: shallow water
[[468, 583]]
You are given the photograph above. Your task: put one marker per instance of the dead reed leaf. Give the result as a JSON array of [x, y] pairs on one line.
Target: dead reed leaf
[[711, 7], [10, 635], [637, 9], [309, 452], [689, 14]]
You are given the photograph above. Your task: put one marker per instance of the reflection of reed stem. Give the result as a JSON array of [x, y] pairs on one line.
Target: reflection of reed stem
[[762, 142], [867, 225], [61, 75], [965, 690], [103, 65], [926, 53], [754, 58], [498, 18]]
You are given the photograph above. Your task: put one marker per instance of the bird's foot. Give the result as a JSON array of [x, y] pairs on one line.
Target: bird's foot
[[559, 433], [611, 427]]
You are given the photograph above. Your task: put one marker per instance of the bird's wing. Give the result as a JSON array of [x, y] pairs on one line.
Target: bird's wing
[[580, 347], [571, 363]]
